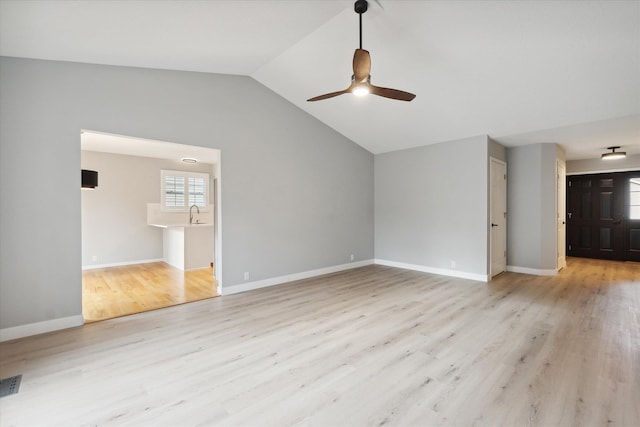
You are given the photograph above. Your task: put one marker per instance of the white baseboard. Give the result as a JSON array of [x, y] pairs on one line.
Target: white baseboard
[[120, 264], [292, 277], [433, 270], [40, 327], [534, 271]]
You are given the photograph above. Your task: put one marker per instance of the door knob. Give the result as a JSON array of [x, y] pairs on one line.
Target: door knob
[[494, 225]]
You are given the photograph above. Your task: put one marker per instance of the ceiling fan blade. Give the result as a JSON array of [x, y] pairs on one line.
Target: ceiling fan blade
[[329, 95], [361, 65], [391, 93]]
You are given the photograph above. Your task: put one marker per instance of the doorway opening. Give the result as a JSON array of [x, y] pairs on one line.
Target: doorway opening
[[151, 227]]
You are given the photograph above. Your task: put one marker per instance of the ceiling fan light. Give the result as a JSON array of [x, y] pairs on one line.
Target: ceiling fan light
[[613, 155], [361, 90]]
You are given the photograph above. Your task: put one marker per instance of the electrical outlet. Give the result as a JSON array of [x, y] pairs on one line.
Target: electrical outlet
[[352, 257], [246, 275], [94, 258], [453, 264]]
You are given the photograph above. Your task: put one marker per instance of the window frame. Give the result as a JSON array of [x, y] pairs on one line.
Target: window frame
[[186, 175], [633, 204]]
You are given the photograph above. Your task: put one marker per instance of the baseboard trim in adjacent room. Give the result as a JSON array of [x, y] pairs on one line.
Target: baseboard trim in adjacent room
[[37, 328], [120, 264], [292, 277], [434, 270], [533, 271]]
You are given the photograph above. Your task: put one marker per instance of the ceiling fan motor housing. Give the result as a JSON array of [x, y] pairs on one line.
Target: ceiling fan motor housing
[[361, 6]]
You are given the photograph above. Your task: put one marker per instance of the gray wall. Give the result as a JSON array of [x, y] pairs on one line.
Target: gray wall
[[296, 195], [114, 216], [599, 165], [431, 205], [531, 206]]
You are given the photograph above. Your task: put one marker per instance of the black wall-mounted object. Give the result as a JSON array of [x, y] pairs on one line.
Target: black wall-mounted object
[[89, 178]]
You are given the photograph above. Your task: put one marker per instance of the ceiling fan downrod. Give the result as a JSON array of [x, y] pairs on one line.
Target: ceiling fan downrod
[[360, 7]]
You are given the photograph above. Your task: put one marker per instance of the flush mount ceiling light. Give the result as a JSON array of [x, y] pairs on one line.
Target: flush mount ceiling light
[[189, 160], [614, 154], [361, 78], [89, 179]]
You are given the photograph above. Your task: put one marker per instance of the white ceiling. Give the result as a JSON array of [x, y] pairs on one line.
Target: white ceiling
[[520, 71], [117, 144]]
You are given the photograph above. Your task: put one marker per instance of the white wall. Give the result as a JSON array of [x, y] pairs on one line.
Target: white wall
[[114, 215], [296, 195], [575, 167], [431, 207]]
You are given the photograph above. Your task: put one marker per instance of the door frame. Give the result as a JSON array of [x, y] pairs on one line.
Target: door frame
[[492, 163], [215, 183], [630, 223], [561, 214]]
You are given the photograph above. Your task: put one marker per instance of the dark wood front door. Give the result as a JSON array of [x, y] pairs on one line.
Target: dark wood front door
[[600, 216]]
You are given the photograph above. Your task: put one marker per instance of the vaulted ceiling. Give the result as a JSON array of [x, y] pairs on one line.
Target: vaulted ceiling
[[520, 71]]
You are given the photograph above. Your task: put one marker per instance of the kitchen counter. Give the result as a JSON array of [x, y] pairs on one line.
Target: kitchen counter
[[187, 246], [195, 224]]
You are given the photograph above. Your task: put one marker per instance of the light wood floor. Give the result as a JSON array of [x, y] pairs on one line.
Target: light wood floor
[[371, 346], [119, 291]]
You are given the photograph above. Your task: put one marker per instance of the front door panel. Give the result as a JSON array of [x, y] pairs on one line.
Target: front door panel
[[595, 216]]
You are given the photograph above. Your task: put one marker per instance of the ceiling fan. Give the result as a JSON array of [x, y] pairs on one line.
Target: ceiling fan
[[361, 78]]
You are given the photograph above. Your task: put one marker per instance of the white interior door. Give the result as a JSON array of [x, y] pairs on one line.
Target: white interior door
[[498, 225], [561, 214]]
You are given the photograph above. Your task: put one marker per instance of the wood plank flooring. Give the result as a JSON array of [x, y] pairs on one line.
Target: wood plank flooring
[[119, 291], [371, 346]]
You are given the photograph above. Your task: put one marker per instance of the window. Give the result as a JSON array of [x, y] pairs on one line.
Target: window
[[181, 190], [634, 198]]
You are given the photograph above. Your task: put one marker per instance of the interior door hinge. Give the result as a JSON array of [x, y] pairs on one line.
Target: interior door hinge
[[505, 214], [569, 183], [505, 176], [569, 247]]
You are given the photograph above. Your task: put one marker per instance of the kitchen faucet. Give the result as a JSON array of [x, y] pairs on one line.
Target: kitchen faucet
[[191, 213]]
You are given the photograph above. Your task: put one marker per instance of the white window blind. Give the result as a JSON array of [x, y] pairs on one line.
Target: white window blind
[[182, 189], [197, 191], [174, 191]]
